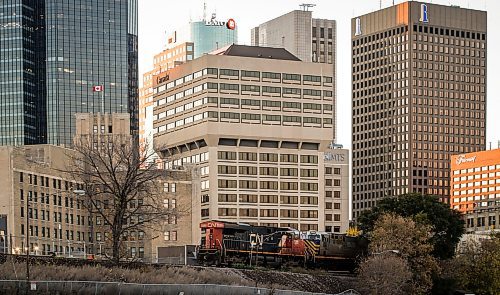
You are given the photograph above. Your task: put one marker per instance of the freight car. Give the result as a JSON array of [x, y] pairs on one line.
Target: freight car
[[225, 243]]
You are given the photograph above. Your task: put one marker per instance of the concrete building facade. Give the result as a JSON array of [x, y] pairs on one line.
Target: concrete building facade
[[475, 188], [310, 39], [36, 191], [418, 97], [337, 169], [256, 121], [187, 43]]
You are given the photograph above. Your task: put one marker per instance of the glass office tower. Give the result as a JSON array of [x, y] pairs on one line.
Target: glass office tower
[[52, 53], [207, 38]]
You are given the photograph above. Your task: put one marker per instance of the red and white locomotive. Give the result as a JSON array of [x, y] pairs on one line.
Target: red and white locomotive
[[225, 243]]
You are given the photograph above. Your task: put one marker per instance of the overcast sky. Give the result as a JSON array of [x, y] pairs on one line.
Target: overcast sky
[[159, 16]]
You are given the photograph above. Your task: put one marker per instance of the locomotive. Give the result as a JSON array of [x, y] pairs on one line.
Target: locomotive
[[225, 243]]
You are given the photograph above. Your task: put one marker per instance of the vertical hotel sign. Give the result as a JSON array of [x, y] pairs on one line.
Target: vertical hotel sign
[[424, 15], [358, 27]]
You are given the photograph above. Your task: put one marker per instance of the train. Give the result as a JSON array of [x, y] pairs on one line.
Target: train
[[229, 243]]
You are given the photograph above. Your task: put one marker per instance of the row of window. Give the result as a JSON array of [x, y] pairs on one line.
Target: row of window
[[44, 181], [268, 157], [245, 103], [245, 90], [267, 185], [283, 213], [271, 171], [250, 75], [247, 118], [475, 169]]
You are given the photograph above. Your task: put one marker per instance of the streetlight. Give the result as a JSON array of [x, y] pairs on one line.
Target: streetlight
[[82, 193]]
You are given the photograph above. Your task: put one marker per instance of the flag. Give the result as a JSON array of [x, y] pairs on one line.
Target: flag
[[97, 88]]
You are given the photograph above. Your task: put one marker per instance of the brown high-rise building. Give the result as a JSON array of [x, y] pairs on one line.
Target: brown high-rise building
[[418, 96]]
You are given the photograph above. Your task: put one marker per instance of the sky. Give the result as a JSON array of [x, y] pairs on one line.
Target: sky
[[159, 17]]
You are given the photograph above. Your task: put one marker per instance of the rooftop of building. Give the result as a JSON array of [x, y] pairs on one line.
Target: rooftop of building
[[256, 52]]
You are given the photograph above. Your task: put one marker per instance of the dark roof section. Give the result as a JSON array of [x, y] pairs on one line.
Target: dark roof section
[[258, 52]]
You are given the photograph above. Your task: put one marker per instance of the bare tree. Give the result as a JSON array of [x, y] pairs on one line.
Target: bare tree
[[386, 274], [411, 240], [122, 185]]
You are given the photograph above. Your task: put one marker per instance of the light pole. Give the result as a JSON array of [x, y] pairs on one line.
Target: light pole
[[89, 207]]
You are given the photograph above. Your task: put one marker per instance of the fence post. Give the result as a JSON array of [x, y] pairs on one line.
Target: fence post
[[96, 288]]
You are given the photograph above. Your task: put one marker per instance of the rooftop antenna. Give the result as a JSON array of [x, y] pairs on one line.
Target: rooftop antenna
[[205, 11], [306, 6]]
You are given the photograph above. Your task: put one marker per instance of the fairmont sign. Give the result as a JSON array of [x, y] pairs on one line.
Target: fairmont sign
[[463, 159]]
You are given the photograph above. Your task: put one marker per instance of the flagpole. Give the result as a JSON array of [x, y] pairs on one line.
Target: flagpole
[[102, 100]]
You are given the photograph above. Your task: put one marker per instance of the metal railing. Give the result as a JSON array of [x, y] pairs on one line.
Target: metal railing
[[95, 287]]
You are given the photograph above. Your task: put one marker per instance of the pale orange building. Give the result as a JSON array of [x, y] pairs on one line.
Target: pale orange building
[[163, 61], [475, 181]]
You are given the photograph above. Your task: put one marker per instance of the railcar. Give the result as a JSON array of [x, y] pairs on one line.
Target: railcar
[[225, 243]]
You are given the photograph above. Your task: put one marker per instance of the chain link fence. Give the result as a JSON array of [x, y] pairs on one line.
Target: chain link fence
[[94, 287]]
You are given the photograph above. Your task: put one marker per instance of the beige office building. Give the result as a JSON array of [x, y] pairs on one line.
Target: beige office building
[[418, 97], [256, 121], [310, 39]]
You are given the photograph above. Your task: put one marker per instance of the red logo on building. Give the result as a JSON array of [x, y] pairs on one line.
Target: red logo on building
[[231, 24]]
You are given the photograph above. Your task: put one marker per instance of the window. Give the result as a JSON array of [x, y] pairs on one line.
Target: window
[[252, 117], [270, 103], [293, 91], [210, 71], [309, 159], [290, 186], [227, 169], [275, 118], [250, 88], [309, 78], [248, 184], [266, 171], [227, 115], [231, 101], [291, 105], [312, 92], [226, 183], [308, 214], [247, 156], [293, 77], [248, 212], [289, 200], [250, 74], [268, 157], [273, 199], [270, 89], [308, 186], [229, 72], [270, 75], [289, 171], [226, 155], [312, 106], [227, 211], [250, 102], [229, 87], [287, 213], [289, 158], [269, 213], [273, 185], [227, 197], [246, 198], [292, 119]]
